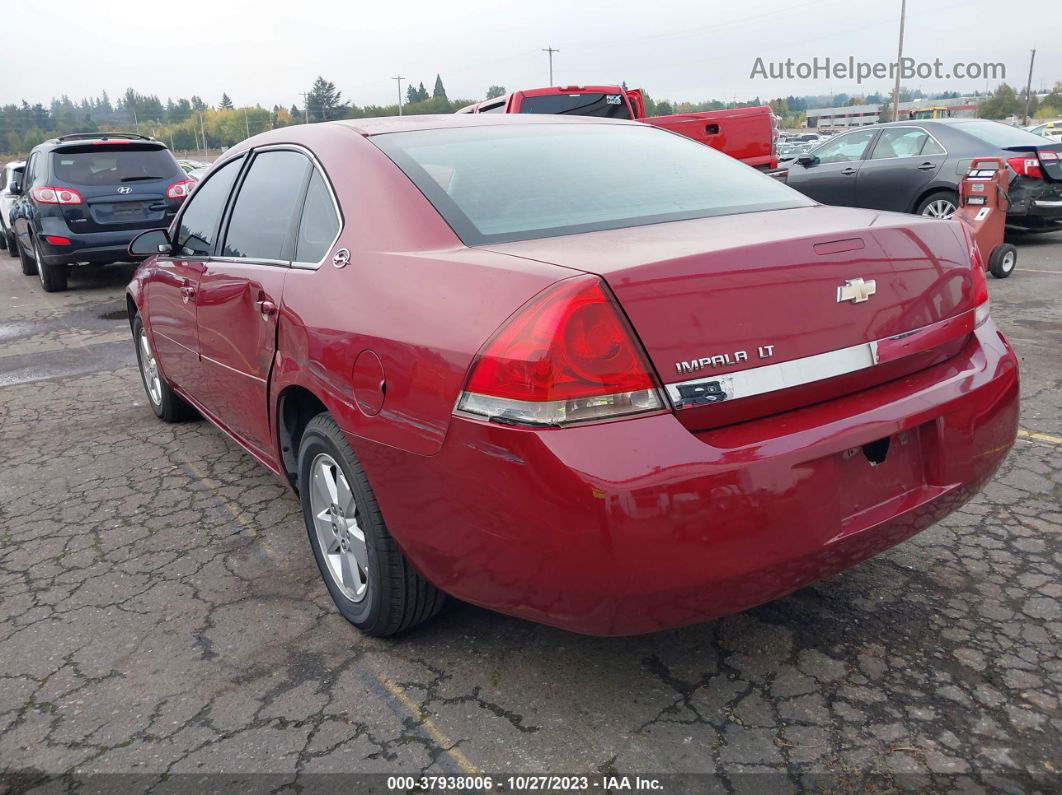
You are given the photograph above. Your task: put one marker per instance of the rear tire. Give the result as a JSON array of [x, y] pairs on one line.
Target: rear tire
[[3, 239], [12, 245], [53, 277], [939, 204], [368, 577], [1002, 261], [28, 263], [167, 405]]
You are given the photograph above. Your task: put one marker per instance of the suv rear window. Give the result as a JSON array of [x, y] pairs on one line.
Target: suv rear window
[[502, 183], [112, 164], [609, 106]]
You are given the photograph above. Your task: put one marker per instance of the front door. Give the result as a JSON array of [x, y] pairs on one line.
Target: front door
[[171, 293], [830, 177], [240, 296]]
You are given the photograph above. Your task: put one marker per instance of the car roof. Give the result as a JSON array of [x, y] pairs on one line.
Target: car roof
[[390, 124]]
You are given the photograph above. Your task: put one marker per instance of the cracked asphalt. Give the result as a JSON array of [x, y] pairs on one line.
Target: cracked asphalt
[[162, 623]]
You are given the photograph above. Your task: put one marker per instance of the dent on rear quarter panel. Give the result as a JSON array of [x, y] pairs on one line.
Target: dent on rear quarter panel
[[411, 293]]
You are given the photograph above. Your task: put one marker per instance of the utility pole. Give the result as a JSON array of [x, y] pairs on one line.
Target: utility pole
[[305, 107], [550, 50], [1028, 91], [398, 79], [246, 124], [202, 129], [899, 61], [135, 122]]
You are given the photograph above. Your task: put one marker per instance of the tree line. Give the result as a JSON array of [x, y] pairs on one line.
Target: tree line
[[192, 123]]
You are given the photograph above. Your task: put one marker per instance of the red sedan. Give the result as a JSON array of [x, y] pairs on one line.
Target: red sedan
[[585, 372]]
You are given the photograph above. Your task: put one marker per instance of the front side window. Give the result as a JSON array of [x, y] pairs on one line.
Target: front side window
[[265, 208], [520, 182], [610, 106], [202, 214], [319, 225], [844, 148], [899, 142]]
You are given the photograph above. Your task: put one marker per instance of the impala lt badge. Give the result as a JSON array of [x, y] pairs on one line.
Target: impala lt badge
[[856, 290], [723, 359]]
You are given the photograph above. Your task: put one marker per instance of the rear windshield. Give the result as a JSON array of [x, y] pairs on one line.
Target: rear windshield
[[112, 164], [503, 183], [1001, 135], [610, 106]]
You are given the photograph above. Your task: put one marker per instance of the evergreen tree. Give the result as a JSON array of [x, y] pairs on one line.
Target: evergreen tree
[[198, 104], [226, 103], [439, 92], [422, 93], [495, 91], [411, 94], [323, 101]]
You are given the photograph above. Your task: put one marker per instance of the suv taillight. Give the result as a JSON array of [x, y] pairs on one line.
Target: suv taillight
[[567, 356], [180, 190], [48, 195]]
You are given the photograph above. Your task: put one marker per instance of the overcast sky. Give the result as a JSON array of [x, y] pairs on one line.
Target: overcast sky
[[269, 51]]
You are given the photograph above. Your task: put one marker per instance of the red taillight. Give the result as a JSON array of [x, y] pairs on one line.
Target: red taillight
[[1026, 167], [55, 240], [1047, 154], [982, 308], [180, 190], [566, 356], [48, 195]]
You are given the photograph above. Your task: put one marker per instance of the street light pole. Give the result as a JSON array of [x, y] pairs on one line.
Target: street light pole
[[398, 79], [899, 61], [550, 50], [1028, 91]]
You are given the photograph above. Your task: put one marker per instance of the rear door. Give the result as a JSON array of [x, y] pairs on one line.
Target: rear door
[[903, 161], [170, 292], [123, 185], [240, 291], [831, 177]]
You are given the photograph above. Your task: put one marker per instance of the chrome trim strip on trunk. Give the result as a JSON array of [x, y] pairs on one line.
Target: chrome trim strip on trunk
[[807, 370]]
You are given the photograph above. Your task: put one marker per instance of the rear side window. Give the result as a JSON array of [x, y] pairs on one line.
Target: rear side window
[[112, 164], [501, 183], [496, 107], [609, 106], [202, 214], [265, 208], [319, 225]]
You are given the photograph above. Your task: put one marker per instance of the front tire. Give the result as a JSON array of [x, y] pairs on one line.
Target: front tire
[[12, 245], [1002, 260], [53, 277], [28, 263], [940, 204], [368, 577], [166, 404]]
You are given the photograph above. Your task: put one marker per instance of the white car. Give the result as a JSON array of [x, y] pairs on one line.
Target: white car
[[1048, 129], [12, 172]]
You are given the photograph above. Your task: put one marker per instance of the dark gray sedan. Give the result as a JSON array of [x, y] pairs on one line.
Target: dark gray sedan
[[916, 166]]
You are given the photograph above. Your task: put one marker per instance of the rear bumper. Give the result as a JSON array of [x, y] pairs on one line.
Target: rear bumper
[[95, 247], [1035, 202], [641, 525]]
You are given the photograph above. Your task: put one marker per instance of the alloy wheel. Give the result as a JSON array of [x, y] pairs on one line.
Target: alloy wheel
[[335, 518], [941, 208], [150, 370]]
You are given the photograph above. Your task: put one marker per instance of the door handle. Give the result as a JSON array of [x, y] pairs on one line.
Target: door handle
[[927, 166], [849, 171], [267, 308], [187, 293]]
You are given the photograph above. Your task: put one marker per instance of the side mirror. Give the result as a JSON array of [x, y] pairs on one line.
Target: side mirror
[[15, 189], [806, 159], [153, 241]]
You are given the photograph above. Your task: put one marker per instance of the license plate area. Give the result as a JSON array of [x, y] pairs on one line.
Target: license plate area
[[880, 471], [120, 212]]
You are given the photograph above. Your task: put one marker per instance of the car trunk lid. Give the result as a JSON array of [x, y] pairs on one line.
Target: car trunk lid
[[793, 306]]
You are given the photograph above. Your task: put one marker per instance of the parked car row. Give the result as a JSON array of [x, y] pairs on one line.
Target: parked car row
[[82, 198], [916, 167], [10, 177], [494, 364]]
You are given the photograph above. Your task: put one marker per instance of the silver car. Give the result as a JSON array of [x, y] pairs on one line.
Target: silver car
[[12, 172]]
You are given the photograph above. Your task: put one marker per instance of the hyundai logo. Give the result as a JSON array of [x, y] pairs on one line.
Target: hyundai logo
[[125, 189]]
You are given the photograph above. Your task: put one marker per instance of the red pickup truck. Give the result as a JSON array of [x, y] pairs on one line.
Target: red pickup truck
[[748, 134]]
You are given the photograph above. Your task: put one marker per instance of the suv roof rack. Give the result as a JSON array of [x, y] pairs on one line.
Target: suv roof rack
[[104, 136]]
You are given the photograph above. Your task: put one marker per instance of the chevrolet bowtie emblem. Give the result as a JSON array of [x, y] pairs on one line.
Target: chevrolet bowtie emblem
[[856, 290]]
